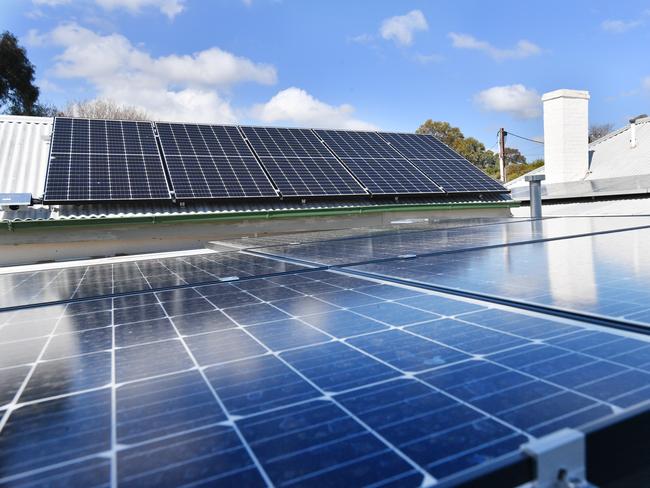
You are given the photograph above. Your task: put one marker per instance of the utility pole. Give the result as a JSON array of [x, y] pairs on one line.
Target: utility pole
[[502, 154]]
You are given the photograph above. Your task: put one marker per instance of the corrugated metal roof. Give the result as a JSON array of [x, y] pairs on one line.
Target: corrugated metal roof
[[631, 206], [135, 210], [24, 149]]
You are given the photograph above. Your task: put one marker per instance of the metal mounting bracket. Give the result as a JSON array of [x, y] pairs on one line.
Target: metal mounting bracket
[[560, 460]]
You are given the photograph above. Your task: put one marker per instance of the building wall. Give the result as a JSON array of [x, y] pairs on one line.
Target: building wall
[[45, 243]]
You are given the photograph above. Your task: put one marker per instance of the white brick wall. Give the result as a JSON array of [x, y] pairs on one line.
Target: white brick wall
[[566, 126]]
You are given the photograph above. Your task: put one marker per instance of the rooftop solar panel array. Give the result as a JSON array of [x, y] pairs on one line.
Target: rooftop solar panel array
[[291, 375], [379, 167], [211, 161], [299, 164], [104, 160], [443, 165]]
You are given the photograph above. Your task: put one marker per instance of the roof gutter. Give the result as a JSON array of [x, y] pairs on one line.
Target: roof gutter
[[162, 219]]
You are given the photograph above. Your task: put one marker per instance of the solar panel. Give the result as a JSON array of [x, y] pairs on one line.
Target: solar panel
[[317, 377], [299, 164], [443, 165], [604, 279], [379, 167], [211, 161], [104, 160]]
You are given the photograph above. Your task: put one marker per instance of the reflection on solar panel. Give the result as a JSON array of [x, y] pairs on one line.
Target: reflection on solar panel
[[314, 377], [382, 170], [299, 164], [211, 161], [604, 278], [97, 160], [444, 166]]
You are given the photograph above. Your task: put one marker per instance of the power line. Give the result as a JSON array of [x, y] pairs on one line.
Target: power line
[[524, 138]]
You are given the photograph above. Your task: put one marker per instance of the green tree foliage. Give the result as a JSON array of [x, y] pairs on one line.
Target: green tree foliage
[[513, 156], [475, 152], [18, 94], [468, 147], [516, 170]]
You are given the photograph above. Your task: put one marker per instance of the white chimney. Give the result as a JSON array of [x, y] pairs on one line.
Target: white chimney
[[633, 129], [566, 133]]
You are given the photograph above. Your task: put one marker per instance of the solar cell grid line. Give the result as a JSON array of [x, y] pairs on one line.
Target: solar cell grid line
[[211, 161], [381, 169], [442, 164], [104, 160], [299, 164]]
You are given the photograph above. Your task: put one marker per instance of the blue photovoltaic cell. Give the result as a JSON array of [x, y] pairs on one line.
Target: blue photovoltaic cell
[[309, 378], [379, 167], [447, 168], [299, 164], [104, 160], [211, 161]]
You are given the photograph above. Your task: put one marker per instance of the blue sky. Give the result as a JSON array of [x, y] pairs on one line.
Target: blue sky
[[384, 64]]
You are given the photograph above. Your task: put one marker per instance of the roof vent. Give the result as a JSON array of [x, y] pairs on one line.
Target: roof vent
[[633, 122]]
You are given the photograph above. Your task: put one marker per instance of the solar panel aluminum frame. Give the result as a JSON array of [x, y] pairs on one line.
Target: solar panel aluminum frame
[[366, 193], [615, 449], [164, 157], [46, 200], [457, 158], [396, 194]]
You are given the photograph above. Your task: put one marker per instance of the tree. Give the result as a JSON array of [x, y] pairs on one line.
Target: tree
[[514, 156], [470, 148], [474, 151], [18, 94], [516, 170], [443, 131], [596, 131], [104, 109]]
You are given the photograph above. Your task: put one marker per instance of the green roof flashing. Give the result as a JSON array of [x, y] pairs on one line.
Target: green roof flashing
[[279, 214]]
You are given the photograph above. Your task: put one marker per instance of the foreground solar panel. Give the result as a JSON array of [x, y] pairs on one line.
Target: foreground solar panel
[[382, 170], [104, 160], [211, 161], [313, 378], [299, 164], [608, 276], [444, 166]]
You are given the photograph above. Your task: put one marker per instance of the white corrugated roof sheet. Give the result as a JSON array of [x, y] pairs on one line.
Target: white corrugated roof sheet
[[24, 149], [631, 206]]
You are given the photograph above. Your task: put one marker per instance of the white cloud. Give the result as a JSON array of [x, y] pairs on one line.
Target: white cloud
[[522, 49], [295, 106], [620, 26], [516, 100], [171, 8], [362, 39], [34, 38], [402, 28], [175, 87], [646, 83], [428, 58], [51, 3]]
